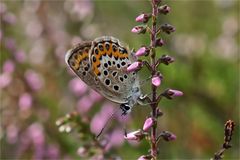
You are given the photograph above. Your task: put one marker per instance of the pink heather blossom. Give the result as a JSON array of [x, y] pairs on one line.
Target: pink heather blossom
[[25, 101], [20, 56], [82, 151], [36, 134], [139, 29], [141, 51], [53, 152], [12, 134], [10, 44], [134, 66], [168, 136], [8, 66], [148, 124], [5, 80], [174, 93], [142, 18], [156, 81], [100, 119], [94, 96], [135, 135], [160, 42], [9, 18], [165, 9], [84, 105], [115, 139], [77, 86], [34, 79]]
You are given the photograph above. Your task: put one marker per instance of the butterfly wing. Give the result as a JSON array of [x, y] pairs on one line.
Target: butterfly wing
[[109, 61], [78, 60]]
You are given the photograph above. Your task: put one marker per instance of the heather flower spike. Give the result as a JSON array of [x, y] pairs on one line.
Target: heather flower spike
[[148, 124], [142, 51], [134, 66], [141, 29], [143, 18], [165, 9], [156, 81]]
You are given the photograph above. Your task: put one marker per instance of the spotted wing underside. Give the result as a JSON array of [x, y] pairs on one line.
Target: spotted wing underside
[[109, 60]]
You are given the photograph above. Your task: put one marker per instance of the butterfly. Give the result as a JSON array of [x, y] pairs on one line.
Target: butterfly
[[102, 65]]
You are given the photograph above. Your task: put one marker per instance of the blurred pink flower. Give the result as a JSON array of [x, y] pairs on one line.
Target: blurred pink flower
[[20, 56], [100, 119], [34, 79], [116, 139], [84, 104], [82, 151], [25, 101], [10, 44], [77, 86], [94, 96], [36, 134], [148, 124], [12, 134], [156, 81], [9, 18], [8, 66], [3, 8], [53, 152], [5, 80]]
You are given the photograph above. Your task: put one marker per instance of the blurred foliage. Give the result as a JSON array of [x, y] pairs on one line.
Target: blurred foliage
[[205, 46]]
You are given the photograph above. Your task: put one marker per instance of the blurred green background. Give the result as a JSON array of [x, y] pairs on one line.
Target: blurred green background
[[35, 36]]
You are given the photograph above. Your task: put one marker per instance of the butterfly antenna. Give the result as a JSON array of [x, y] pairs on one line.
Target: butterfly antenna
[[105, 125]]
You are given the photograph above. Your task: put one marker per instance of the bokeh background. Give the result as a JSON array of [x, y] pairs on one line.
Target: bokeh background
[[37, 88]]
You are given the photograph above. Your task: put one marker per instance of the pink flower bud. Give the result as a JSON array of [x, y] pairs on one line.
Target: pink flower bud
[[165, 9], [143, 18], [168, 136], [142, 51], [165, 59], [160, 42], [134, 66], [135, 135], [156, 81], [174, 93], [167, 28], [139, 29], [148, 124], [171, 93]]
